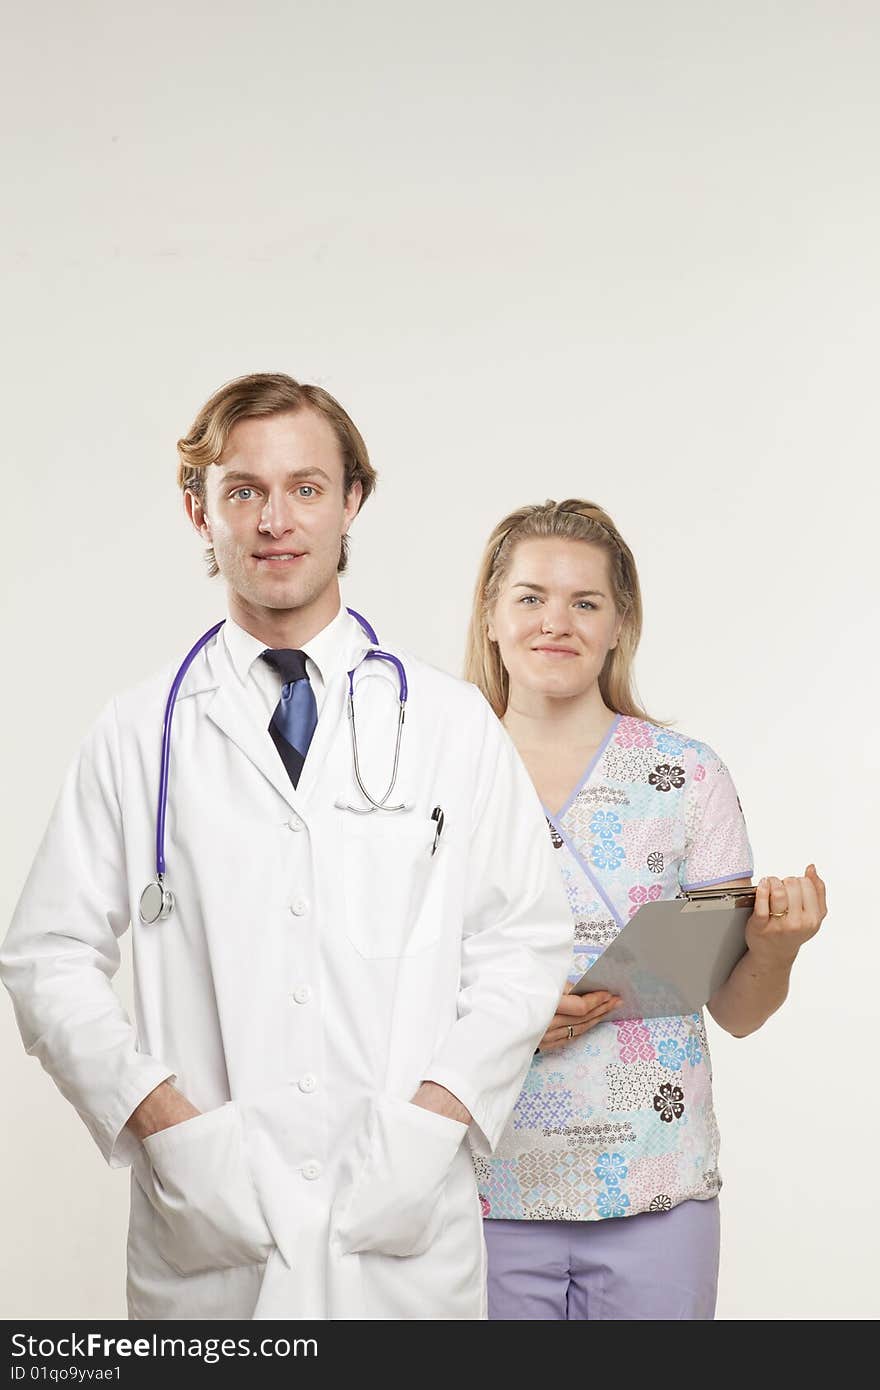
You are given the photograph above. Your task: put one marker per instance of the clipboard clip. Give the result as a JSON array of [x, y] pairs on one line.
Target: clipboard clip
[[741, 896]]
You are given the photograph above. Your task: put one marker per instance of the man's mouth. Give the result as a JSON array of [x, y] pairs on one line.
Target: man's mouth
[[279, 557]]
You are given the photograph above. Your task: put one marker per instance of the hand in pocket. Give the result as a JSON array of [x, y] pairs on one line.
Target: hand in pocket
[[392, 1202], [208, 1213]]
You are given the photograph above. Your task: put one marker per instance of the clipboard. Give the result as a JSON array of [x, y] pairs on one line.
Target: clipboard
[[672, 956]]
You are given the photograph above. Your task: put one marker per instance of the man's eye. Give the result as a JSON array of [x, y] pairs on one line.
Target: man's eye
[[307, 490], [240, 491]]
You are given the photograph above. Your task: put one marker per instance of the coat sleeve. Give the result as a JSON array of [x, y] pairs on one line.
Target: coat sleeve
[[62, 951], [516, 945]]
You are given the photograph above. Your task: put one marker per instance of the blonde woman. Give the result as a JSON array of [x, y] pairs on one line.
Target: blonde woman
[[601, 1201]]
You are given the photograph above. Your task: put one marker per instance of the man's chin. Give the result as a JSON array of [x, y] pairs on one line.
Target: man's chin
[[281, 598], [280, 594]]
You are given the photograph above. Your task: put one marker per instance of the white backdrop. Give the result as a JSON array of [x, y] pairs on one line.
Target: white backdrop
[[626, 251]]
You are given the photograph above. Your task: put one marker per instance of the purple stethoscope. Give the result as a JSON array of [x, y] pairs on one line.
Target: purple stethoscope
[[157, 901]]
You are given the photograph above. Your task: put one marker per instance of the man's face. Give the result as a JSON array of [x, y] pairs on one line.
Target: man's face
[[275, 509]]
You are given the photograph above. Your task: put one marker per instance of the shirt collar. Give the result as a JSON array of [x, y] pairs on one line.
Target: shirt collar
[[328, 650]]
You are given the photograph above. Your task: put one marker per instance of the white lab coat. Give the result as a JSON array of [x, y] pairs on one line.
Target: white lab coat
[[317, 967]]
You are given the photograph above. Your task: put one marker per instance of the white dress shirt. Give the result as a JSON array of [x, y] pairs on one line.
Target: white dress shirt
[[325, 654]]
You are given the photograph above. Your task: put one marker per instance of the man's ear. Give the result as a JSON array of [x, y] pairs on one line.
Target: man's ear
[[195, 509], [352, 503]]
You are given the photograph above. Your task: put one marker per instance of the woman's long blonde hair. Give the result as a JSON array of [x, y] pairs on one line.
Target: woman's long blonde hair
[[572, 520]]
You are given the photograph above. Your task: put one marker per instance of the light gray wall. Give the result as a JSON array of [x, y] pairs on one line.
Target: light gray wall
[[624, 251]]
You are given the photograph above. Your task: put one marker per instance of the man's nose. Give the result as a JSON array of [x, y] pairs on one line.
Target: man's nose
[[277, 516]]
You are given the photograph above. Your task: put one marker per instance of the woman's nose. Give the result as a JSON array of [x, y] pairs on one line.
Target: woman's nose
[[556, 618]]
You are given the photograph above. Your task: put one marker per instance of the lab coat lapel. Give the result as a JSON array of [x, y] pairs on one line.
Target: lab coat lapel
[[230, 711], [236, 720]]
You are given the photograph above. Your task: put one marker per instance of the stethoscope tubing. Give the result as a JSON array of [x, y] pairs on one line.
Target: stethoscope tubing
[[166, 743]]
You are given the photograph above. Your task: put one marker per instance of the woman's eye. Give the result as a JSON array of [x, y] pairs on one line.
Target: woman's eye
[[585, 603], [529, 599]]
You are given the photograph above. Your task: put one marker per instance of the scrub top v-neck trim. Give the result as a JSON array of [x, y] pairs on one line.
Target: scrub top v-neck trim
[[591, 765]]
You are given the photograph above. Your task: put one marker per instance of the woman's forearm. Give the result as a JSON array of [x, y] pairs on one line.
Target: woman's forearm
[[755, 990], [787, 913]]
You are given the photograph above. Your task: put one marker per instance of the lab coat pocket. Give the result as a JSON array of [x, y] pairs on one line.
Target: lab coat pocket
[[208, 1214], [393, 883], [394, 1204]]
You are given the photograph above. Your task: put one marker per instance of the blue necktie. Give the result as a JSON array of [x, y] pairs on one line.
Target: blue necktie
[[296, 714]]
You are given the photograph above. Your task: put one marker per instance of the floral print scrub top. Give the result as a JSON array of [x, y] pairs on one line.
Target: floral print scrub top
[[620, 1120]]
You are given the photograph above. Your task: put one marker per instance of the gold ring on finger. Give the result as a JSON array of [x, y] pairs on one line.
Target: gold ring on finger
[[570, 1031], [783, 913]]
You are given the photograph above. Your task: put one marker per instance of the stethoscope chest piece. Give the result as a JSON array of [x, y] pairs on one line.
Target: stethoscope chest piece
[[157, 902]]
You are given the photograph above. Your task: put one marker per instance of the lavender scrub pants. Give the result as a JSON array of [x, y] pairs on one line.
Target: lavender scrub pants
[[654, 1267]]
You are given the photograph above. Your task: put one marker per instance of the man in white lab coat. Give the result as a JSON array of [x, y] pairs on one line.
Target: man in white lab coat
[[336, 998]]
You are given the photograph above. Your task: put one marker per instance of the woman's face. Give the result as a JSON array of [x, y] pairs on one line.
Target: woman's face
[[555, 619]]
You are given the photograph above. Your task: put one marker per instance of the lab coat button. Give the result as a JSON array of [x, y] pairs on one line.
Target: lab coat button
[[308, 1083], [302, 994], [299, 907], [311, 1170], [294, 823]]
